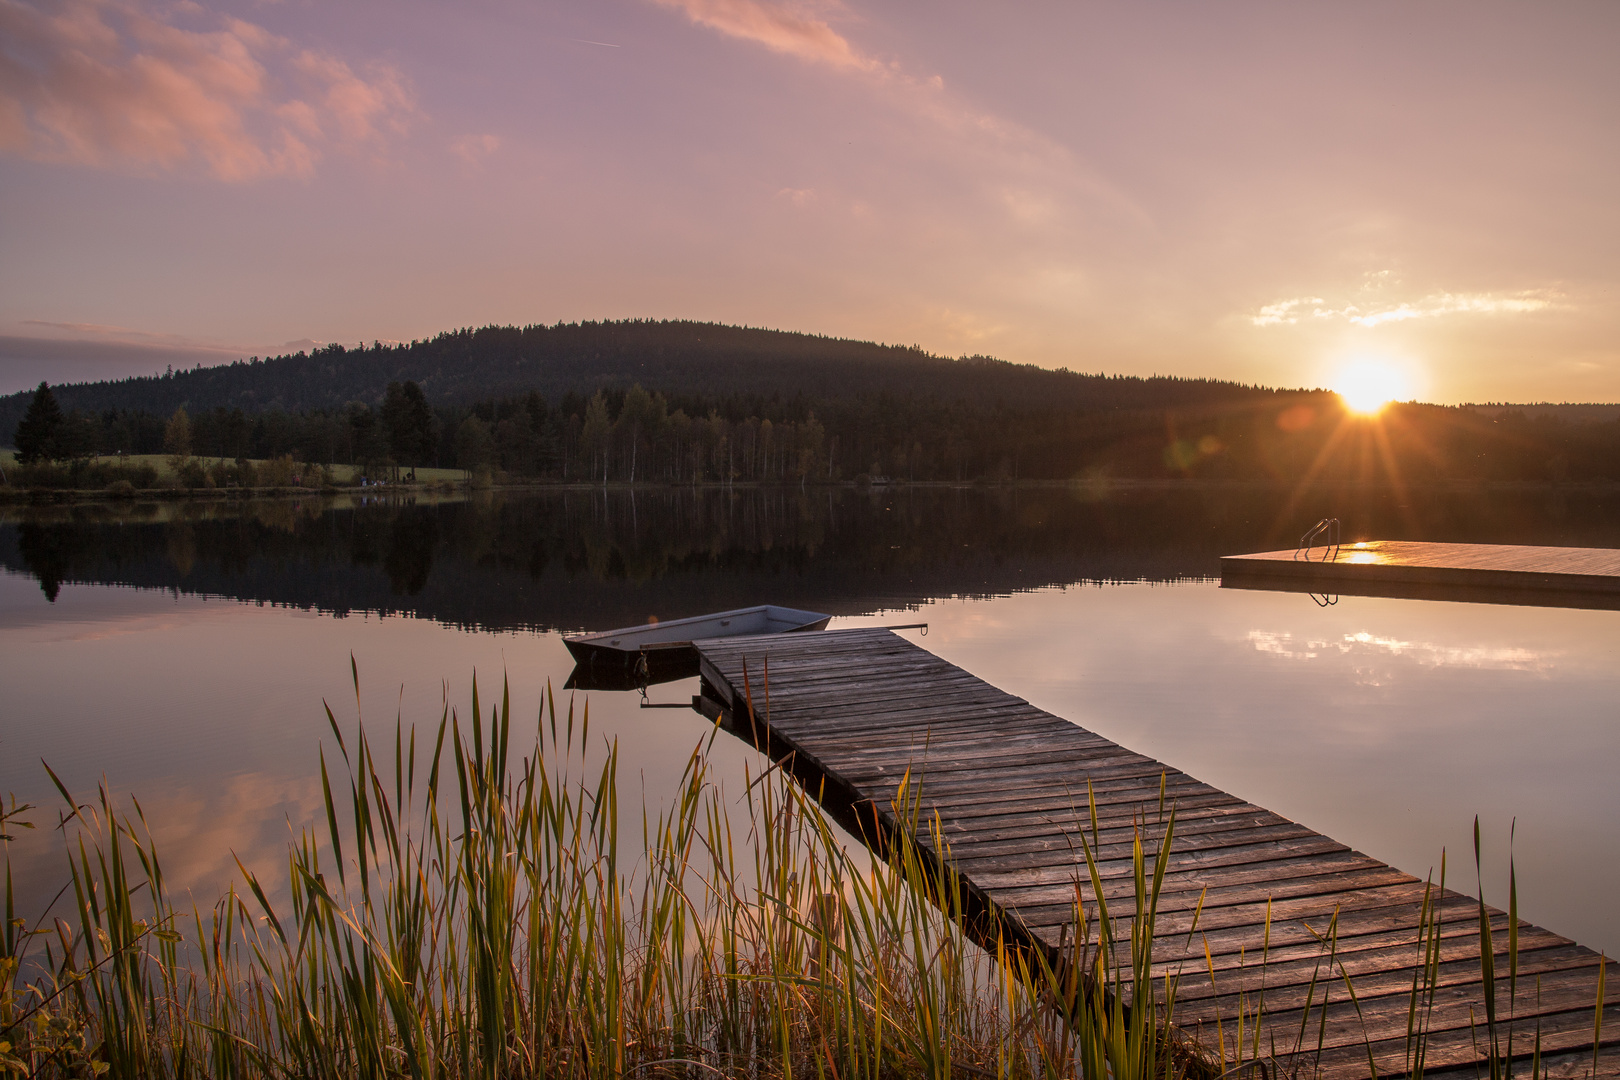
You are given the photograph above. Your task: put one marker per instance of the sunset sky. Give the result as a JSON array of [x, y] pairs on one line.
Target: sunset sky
[[1255, 191]]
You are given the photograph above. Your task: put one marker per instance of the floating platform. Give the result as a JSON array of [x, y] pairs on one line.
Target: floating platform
[[850, 713], [1481, 573]]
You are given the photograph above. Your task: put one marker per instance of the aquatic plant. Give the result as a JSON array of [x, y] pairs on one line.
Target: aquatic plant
[[460, 912]]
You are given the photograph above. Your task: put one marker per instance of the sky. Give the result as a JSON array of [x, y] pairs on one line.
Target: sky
[[1263, 192]]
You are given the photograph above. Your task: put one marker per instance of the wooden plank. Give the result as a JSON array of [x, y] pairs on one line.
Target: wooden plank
[[1185, 892], [1010, 789], [1283, 981], [1350, 1023], [905, 727], [1117, 794], [1292, 989]]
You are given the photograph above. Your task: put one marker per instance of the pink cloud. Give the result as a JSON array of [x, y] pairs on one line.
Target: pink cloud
[[781, 27], [107, 84], [475, 148], [1045, 169], [127, 335], [362, 108]]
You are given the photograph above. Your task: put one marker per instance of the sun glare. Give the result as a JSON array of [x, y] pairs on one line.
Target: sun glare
[[1366, 386]]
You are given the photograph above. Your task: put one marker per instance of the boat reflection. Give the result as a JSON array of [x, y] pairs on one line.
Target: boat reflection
[[660, 667]]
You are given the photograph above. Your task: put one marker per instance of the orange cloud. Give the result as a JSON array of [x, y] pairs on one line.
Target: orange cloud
[[1291, 311], [103, 83], [781, 27]]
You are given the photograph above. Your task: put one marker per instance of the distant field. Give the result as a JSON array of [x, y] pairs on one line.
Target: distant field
[[343, 474], [346, 474]]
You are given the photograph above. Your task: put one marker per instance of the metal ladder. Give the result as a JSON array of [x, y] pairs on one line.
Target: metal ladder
[[1325, 532]]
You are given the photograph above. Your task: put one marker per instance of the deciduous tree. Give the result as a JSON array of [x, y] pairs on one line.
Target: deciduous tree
[[177, 438], [594, 435]]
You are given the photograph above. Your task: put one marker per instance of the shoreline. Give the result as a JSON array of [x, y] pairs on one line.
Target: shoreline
[[24, 496]]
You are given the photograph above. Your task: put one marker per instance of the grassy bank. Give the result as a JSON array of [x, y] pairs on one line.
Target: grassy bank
[[463, 913], [163, 468], [153, 476]]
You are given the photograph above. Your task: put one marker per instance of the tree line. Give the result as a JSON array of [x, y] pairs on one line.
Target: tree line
[[464, 366], [636, 435]]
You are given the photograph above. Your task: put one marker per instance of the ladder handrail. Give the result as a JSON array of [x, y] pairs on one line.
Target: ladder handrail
[[1327, 531]]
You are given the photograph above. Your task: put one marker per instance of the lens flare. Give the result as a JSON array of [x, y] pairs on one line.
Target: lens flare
[[1366, 386]]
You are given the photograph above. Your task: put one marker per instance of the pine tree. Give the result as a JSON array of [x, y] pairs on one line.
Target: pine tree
[[409, 422], [37, 431], [475, 448]]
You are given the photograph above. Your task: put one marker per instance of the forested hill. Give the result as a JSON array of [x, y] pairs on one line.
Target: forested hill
[[676, 358]]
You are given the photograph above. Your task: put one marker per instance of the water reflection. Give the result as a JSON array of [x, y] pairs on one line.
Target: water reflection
[[1363, 644], [412, 540], [1384, 723], [575, 559]]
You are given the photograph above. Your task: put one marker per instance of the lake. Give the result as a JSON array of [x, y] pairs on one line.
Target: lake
[[180, 652]]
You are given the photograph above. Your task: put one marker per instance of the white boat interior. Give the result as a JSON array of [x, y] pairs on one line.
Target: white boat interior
[[764, 619]]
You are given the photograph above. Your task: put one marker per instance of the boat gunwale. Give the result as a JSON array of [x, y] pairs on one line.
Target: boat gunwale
[[597, 643]]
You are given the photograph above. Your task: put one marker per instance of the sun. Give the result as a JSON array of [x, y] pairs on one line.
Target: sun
[[1366, 386]]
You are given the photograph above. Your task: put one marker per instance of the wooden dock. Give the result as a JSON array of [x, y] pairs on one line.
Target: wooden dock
[[1484, 573], [850, 712]]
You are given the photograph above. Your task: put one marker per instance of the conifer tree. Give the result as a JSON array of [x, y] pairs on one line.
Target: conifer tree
[[409, 423], [37, 431], [475, 448]]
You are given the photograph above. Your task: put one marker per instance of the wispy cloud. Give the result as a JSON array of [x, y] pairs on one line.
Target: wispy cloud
[[1046, 171], [473, 149], [1284, 311], [787, 28], [118, 85], [1289, 312], [125, 335]]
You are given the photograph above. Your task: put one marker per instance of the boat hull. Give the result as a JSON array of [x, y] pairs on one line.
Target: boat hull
[[667, 643]]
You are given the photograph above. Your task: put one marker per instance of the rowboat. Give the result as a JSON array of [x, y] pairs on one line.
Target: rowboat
[[667, 641]]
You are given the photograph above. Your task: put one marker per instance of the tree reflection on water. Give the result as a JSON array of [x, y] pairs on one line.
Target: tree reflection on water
[[593, 558]]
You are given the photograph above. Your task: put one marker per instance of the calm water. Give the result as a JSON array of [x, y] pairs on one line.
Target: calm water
[[182, 652]]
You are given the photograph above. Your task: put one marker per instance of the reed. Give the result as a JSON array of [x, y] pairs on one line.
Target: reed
[[460, 912]]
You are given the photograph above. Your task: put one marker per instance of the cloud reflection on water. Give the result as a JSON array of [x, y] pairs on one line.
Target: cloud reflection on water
[[1362, 644]]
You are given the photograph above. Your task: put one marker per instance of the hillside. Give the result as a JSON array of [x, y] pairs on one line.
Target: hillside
[[688, 403], [677, 358]]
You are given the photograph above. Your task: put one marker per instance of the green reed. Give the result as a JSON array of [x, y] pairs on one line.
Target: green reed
[[459, 912]]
